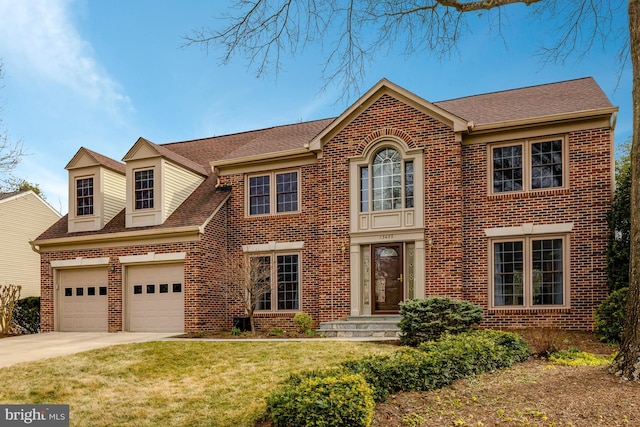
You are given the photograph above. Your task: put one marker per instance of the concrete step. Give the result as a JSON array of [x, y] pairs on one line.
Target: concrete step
[[362, 326]]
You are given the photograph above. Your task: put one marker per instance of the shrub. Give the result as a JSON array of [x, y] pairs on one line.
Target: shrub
[[609, 317], [26, 315], [544, 341], [574, 357], [435, 364], [335, 400], [303, 322], [428, 319]]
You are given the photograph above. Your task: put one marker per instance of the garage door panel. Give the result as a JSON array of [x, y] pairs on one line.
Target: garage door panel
[[83, 305], [155, 298]]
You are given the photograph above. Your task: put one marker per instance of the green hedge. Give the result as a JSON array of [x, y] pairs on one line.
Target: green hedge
[[428, 319], [345, 395], [609, 316], [332, 400], [436, 364]]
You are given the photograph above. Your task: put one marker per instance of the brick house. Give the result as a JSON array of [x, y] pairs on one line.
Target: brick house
[[499, 199]]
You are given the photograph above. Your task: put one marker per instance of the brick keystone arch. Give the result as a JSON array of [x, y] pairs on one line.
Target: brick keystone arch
[[385, 132]]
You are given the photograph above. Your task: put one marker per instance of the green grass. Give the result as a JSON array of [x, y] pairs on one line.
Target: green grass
[[171, 383]]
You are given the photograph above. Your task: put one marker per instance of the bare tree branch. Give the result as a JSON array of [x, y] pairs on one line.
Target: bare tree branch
[[11, 153], [249, 280], [353, 33]]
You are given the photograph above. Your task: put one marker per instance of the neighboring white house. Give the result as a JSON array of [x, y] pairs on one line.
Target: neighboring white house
[[23, 216]]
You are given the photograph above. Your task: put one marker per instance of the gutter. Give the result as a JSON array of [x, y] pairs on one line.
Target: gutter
[[536, 120], [262, 158], [118, 237]]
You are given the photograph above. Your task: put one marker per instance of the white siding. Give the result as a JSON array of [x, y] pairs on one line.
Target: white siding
[[178, 185], [115, 194], [22, 218]]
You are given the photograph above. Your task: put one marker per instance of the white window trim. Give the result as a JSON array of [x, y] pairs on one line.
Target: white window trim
[[526, 164], [274, 273], [155, 189], [394, 219], [526, 229], [273, 203], [527, 263], [75, 198]]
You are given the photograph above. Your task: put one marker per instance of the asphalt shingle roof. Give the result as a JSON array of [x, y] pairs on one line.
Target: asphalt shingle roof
[[530, 102], [580, 95]]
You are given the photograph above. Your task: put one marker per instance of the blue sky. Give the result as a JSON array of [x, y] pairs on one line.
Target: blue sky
[[100, 74]]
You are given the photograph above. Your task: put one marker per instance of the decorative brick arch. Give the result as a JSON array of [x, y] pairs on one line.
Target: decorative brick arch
[[385, 132]]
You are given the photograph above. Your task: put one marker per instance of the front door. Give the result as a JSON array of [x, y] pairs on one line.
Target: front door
[[387, 278]]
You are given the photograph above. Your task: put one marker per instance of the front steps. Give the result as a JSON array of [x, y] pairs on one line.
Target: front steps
[[362, 326]]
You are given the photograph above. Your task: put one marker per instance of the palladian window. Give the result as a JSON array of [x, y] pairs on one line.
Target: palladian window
[[387, 183]]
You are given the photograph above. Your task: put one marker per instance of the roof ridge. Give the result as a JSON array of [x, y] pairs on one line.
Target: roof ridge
[[513, 89]]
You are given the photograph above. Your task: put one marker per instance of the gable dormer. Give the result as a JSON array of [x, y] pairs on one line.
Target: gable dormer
[[97, 190], [158, 181]]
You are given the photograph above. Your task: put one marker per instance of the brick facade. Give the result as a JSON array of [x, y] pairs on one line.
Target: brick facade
[[458, 208]]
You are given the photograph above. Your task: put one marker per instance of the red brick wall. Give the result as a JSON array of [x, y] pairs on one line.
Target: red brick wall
[[443, 198], [289, 227], [585, 204], [457, 210]]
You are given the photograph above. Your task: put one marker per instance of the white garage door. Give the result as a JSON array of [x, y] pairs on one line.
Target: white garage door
[[155, 298], [82, 297]]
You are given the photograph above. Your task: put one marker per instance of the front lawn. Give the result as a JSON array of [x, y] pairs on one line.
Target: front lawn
[[171, 383]]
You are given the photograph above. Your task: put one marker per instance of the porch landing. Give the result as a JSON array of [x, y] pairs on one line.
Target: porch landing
[[362, 326]]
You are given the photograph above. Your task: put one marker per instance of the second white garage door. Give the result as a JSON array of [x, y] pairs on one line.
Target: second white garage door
[[155, 298]]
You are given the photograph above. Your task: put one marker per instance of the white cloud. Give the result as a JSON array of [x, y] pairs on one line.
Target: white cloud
[[39, 38]]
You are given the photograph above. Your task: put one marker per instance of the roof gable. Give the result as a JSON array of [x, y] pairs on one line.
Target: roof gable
[[145, 149], [87, 158], [28, 194], [385, 87]]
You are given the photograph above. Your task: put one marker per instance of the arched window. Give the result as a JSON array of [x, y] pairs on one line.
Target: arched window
[[387, 183]]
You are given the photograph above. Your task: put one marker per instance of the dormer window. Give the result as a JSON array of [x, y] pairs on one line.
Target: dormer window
[[144, 189], [84, 196]]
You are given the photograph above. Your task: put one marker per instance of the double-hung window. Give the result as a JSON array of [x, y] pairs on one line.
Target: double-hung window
[[275, 192], [528, 165], [529, 272], [84, 196], [284, 280], [144, 186], [387, 182]]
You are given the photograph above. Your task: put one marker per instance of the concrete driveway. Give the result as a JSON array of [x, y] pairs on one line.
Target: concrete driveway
[[27, 348]]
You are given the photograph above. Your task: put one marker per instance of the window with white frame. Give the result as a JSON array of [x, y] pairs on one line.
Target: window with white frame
[[144, 186], [275, 192], [529, 272], [284, 293], [84, 196], [387, 182], [528, 165]]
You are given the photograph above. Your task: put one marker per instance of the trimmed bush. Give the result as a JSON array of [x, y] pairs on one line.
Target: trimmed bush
[[436, 364], [335, 400], [303, 322], [428, 319], [26, 315], [609, 316]]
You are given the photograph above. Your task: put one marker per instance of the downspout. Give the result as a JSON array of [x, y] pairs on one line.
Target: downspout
[[35, 248]]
